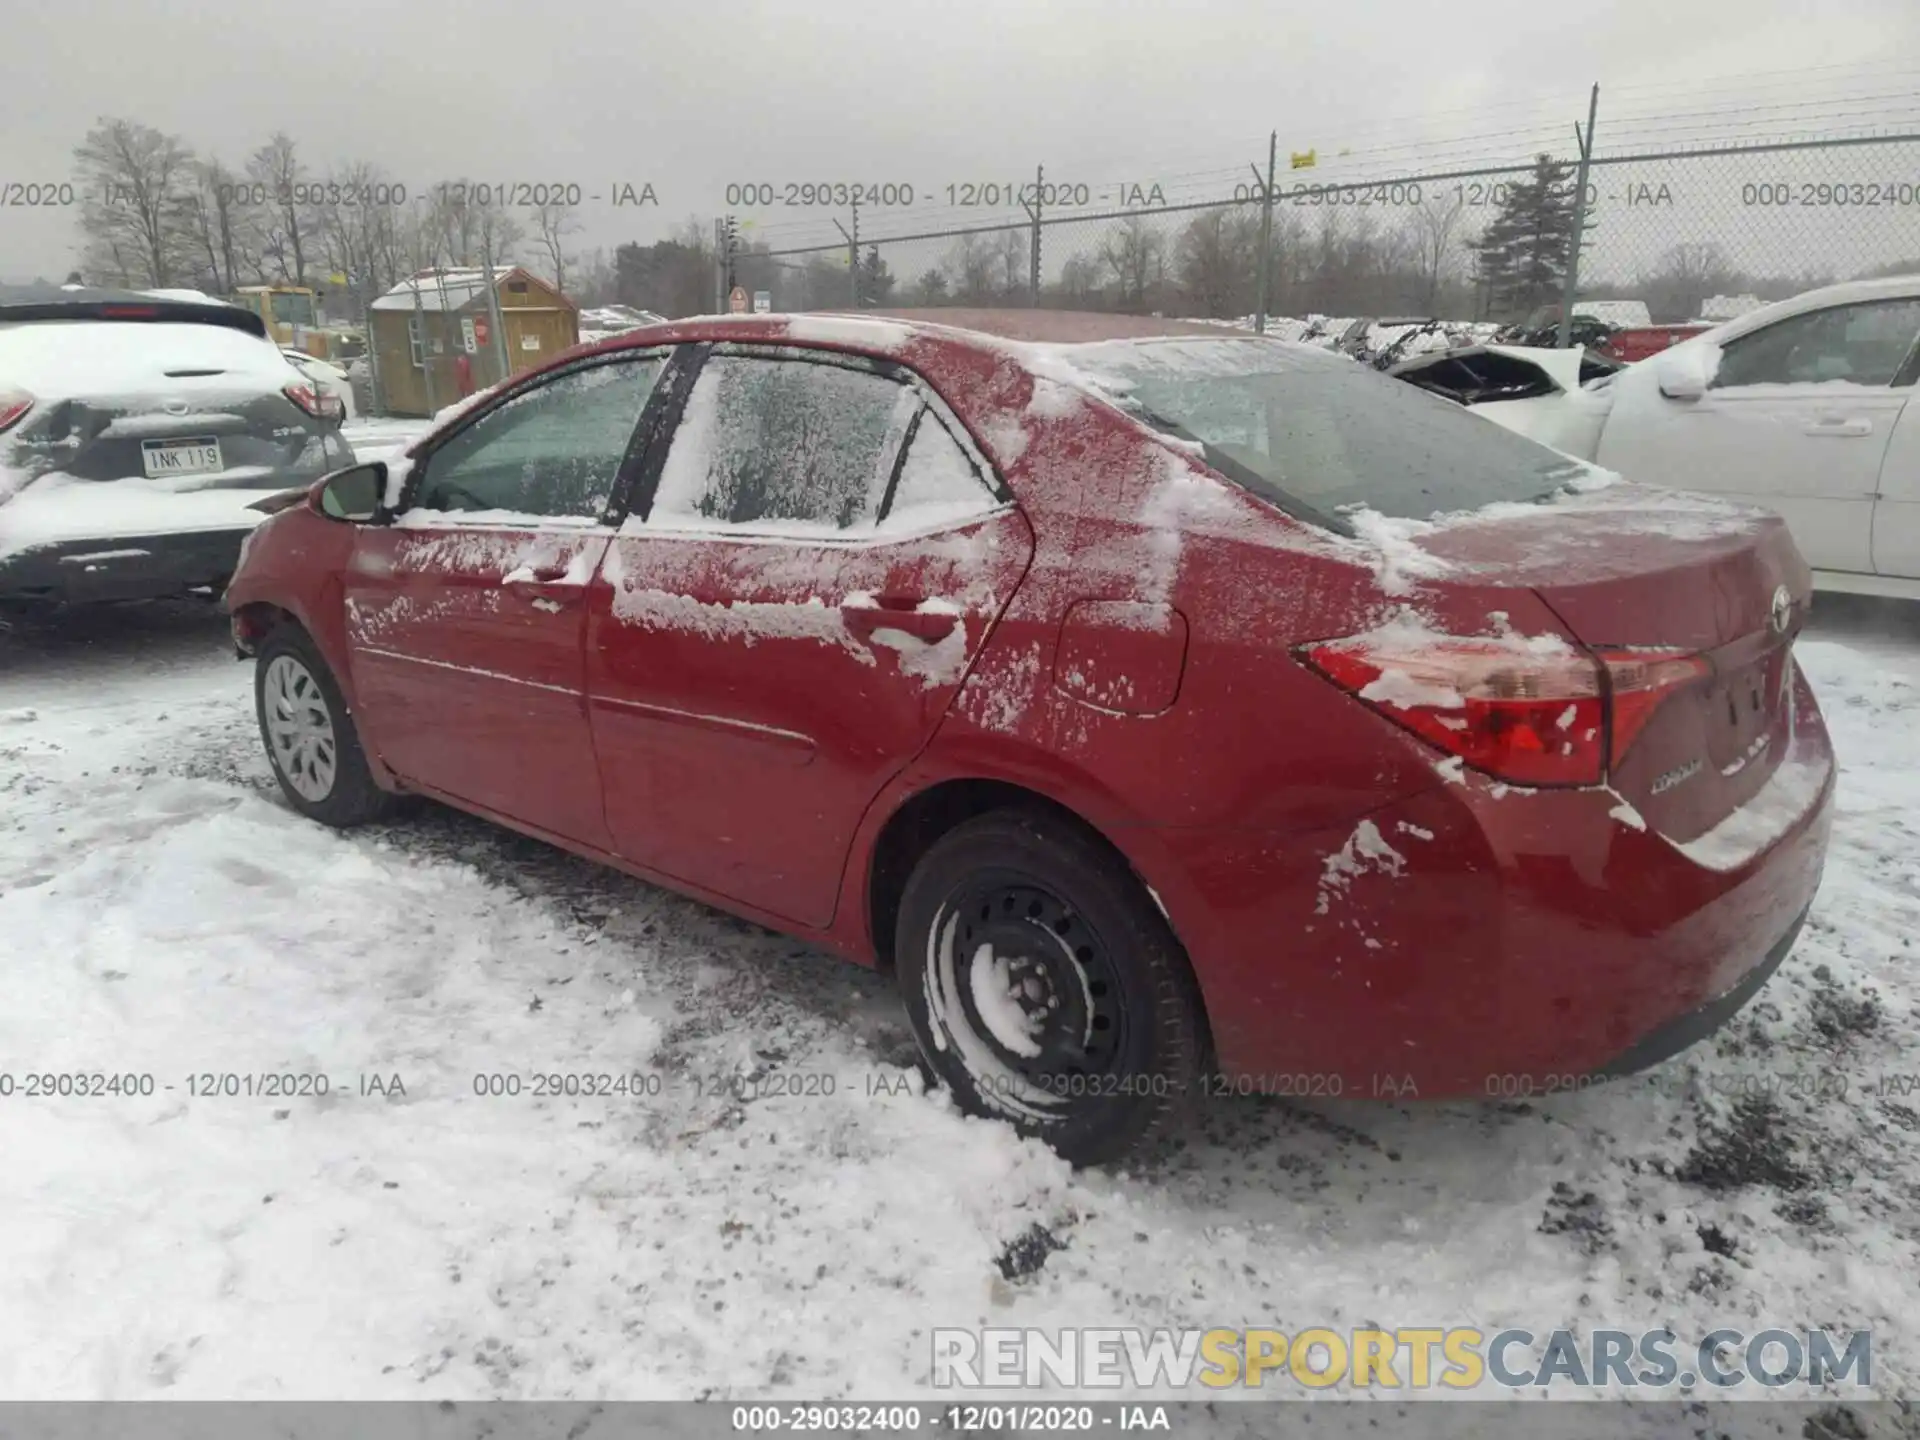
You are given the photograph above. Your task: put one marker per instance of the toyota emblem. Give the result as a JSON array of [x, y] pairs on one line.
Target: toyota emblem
[[1780, 614], [175, 407]]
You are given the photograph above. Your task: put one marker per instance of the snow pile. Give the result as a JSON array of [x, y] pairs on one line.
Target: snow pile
[[934, 663], [1399, 564], [866, 334], [990, 981]]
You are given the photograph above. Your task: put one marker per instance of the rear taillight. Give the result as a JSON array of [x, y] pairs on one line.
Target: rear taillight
[[308, 399], [1640, 681], [1531, 712], [14, 405]]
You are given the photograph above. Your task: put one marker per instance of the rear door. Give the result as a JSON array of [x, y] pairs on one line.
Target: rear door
[[466, 618], [785, 616], [1797, 419]]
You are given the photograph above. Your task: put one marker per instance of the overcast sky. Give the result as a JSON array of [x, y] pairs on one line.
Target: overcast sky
[[693, 95]]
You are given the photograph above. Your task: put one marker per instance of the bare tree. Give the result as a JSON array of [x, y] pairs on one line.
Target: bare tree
[[970, 264], [1686, 275], [1436, 225], [221, 225], [353, 232], [554, 222], [1136, 255], [468, 218], [132, 176], [1015, 256], [286, 213], [1215, 258]]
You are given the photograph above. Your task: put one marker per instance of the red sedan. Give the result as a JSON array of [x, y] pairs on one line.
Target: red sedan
[[1169, 710]]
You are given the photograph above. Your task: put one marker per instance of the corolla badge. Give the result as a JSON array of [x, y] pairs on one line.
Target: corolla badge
[[1675, 776], [1780, 614]]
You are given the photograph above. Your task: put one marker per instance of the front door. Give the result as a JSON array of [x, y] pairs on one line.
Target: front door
[[466, 618], [783, 620], [1796, 419]]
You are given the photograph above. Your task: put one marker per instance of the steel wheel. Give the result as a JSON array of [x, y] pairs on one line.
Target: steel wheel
[[299, 728], [1045, 988], [1026, 988]]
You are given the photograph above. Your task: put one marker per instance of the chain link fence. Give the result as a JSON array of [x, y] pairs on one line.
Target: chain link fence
[[1665, 237]]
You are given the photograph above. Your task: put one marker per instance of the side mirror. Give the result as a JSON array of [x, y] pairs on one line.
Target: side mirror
[[1685, 372], [355, 494]]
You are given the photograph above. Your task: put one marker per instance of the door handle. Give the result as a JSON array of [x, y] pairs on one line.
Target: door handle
[[891, 613], [547, 586], [1842, 429]]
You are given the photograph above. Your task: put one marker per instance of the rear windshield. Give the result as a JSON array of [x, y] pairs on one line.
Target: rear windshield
[[1318, 433]]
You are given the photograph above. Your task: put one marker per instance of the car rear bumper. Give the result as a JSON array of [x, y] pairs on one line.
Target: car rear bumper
[[1506, 941], [1697, 1024], [120, 567]]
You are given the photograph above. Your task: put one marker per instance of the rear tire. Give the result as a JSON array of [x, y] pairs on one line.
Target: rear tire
[[310, 736], [1046, 989]]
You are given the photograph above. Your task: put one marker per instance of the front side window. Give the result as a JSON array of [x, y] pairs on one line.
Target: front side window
[[554, 450], [1864, 344], [793, 445]]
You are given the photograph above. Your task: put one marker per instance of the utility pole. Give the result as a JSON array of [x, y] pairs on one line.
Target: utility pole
[[500, 357], [720, 287], [852, 237], [1579, 217], [1033, 211], [1266, 233]]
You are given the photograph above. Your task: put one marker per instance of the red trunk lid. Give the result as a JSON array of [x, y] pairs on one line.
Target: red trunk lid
[[1632, 568]]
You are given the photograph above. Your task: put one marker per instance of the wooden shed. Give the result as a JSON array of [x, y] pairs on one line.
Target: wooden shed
[[427, 324]]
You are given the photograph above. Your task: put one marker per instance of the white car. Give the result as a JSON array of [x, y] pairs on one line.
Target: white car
[[1804, 406], [327, 377]]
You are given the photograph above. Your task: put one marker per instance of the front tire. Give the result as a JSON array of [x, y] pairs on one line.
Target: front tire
[[1046, 989], [310, 736]]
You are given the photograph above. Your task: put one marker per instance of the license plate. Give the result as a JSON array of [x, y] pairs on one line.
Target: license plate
[[180, 457]]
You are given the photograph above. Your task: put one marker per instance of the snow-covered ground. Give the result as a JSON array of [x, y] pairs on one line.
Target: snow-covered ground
[[164, 914]]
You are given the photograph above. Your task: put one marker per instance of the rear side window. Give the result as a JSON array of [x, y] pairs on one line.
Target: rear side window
[[935, 483], [1317, 433], [787, 445]]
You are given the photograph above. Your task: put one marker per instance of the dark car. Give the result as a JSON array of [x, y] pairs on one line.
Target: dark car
[[135, 434], [1126, 700]]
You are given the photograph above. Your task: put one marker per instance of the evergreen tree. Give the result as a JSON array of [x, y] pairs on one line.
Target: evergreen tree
[[1524, 253]]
